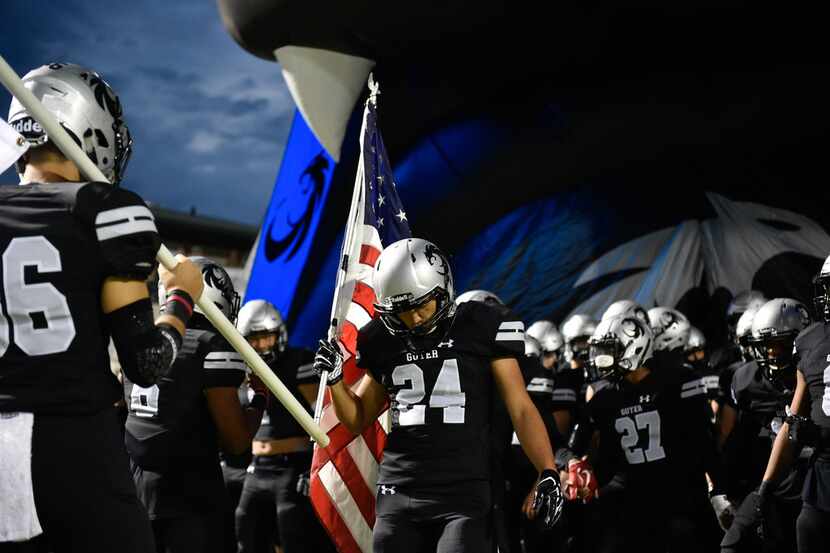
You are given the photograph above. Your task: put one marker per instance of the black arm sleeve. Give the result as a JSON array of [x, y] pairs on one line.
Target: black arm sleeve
[[146, 351]]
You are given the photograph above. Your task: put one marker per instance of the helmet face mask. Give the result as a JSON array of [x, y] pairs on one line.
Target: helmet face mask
[[86, 107], [396, 326], [774, 329], [620, 345], [821, 297], [774, 355], [408, 275], [259, 319]]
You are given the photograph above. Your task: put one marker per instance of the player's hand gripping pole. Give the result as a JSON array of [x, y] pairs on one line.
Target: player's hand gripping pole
[[71, 150]]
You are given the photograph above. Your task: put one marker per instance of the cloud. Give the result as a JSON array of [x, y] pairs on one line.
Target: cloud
[[203, 112]]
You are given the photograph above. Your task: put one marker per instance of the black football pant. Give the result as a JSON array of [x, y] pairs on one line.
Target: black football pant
[[193, 533], [685, 523], [270, 501], [84, 492], [813, 530], [234, 479], [743, 535], [452, 519]]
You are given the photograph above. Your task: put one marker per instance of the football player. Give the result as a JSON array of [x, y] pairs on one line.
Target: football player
[[438, 365], [277, 484], [697, 356], [761, 391], [809, 415], [730, 352], [75, 257], [726, 415], [174, 428], [654, 418], [566, 384]]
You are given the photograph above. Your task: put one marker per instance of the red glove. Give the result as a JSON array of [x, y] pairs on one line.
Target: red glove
[[582, 483]]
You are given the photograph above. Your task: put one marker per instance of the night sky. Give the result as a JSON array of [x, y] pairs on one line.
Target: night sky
[[209, 121]]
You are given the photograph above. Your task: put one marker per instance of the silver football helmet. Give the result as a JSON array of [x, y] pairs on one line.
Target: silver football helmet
[[407, 274], [484, 296], [669, 327], [743, 332], [218, 288], [532, 347], [261, 317], [821, 295], [696, 340], [625, 307], [774, 329], [620, 345], [739, 304], [86, 107], [575, 331], [550, 339]]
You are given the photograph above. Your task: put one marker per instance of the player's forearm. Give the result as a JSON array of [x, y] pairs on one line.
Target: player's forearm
[[781, 456], [534, 437], [348, 407]]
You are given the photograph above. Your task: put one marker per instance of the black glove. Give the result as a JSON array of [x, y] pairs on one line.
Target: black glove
[[762, 509], [548, 499], [329, 358], [303, 483]]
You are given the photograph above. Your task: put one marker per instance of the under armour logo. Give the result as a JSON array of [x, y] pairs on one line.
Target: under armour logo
[[448, 344], [387, 490], [645, 398]]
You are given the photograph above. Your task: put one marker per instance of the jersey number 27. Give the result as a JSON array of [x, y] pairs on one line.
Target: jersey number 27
[[629, 430]]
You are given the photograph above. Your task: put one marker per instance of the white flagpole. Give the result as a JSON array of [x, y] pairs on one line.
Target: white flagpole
[[339, 303], [71, 150]]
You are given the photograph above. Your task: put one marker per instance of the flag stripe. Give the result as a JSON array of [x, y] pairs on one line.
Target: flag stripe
[[364, 295], [369, 254], [330, 518], [350, 474]]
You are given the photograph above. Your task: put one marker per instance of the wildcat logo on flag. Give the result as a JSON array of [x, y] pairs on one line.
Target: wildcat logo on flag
[[344, 474]]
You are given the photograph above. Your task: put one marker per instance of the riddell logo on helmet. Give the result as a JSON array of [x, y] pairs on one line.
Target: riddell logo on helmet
[[27, 125]]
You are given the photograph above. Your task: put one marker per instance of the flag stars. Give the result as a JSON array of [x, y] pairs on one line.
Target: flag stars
[[401, 215], [381, 199], [380, 221]]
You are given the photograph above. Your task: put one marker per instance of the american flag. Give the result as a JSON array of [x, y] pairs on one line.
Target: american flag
[[344, 474]]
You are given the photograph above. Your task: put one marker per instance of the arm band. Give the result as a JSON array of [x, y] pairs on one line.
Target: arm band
[[258, 402], [146, 351], [178, 304]]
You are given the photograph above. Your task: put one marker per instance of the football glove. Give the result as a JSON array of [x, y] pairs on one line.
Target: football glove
[[329, 358], [724, 510], [582, 484], [548, 499]]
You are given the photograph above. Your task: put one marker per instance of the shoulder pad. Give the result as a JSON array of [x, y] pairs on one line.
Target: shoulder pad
[[743, 377], [809, 336]]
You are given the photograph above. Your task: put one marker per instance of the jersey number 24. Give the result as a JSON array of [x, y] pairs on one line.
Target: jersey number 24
[[446, 394]]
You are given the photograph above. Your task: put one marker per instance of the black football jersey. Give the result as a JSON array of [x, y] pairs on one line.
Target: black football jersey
[[760, 409], [568, 390], [58, 242], [170, 434], [169, 423], [293, 367], [440, 390], [812, 347], [660, 427]]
